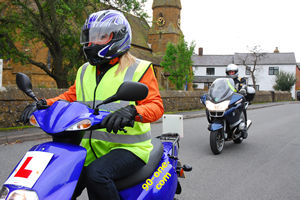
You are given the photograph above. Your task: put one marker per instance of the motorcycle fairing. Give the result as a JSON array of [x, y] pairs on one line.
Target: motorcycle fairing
[[232, 109], [203, 99], [63, 114], [234, 98], [60, 177], [215, 127]]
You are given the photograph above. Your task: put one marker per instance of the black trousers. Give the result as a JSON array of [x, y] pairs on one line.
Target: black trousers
[[99, 176]]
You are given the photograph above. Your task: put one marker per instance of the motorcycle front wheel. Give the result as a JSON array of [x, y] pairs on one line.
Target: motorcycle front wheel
[[217, 142]]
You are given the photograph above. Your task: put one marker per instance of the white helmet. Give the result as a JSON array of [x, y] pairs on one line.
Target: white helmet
[[232, 68]]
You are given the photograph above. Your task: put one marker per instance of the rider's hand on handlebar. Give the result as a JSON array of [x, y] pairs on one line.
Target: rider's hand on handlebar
[[29, 109], [119, 119]]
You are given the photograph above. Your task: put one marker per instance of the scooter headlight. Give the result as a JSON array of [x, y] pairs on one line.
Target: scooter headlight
[[82, 125], [217, 107], [32, 121], [23, 195], [3, 192]]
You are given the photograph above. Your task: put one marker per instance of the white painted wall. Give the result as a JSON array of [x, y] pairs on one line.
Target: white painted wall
[[201, 71], [264, 80]]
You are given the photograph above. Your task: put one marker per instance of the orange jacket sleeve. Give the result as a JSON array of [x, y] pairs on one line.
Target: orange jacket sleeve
[[69, 95], [151, 108]]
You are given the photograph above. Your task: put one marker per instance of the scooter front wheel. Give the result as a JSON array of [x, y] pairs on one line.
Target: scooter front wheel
[[217, 142]]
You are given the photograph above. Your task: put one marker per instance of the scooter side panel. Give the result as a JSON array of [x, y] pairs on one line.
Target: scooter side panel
[[60, 177], [160, 186]]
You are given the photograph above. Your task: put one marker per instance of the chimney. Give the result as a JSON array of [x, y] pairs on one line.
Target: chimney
[[276, 50], [200, 51]]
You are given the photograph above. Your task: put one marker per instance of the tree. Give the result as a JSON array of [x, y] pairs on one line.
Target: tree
[[252, 59], [55, 24], [177, 62], [284, 81]]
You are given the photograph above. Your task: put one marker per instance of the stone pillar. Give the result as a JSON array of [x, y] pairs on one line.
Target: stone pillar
[[1, 73]]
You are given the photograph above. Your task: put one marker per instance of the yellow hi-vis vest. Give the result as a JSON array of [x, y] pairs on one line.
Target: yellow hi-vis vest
[[137, 139]]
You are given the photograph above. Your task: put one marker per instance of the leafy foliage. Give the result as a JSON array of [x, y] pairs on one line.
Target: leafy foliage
[[54, 24], [135, 7], [284, 81], [177, 62]]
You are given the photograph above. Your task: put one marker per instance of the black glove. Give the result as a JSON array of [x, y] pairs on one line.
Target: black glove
[[41, 104], [120, 118]]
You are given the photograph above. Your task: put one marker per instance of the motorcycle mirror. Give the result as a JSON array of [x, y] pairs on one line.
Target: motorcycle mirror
[[128, 91], [24, 84]]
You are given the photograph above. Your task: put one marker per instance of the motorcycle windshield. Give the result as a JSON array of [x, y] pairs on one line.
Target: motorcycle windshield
[[221, 89]]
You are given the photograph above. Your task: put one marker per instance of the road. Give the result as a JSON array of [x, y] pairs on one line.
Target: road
[[266, 166]]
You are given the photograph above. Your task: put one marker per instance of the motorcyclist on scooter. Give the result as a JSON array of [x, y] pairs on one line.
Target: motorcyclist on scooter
[[106, 38], [232, 71]]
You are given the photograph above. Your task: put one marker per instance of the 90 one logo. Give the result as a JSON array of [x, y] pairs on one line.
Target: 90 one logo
[[157, 173]]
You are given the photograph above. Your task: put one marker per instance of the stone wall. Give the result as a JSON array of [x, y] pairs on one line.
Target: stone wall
[[13, 101], [181, 100]]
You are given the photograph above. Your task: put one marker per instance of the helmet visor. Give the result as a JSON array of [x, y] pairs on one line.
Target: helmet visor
[[99, 35]]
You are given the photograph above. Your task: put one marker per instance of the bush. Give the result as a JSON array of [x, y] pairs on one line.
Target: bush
[[284, 81]]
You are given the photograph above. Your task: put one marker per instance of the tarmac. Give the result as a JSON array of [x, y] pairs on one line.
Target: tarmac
[[35, 133]]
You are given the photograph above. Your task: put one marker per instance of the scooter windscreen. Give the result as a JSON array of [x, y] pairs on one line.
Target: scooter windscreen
[[221, 89]]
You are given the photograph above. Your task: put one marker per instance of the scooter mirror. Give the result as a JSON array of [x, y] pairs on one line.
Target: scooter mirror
[[132, 91], [129, 91], [24, 84]]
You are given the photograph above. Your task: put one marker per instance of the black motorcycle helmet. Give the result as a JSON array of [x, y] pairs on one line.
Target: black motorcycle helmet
[[105, 35]]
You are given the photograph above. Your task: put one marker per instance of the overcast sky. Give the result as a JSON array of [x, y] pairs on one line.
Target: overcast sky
[[229, 26]]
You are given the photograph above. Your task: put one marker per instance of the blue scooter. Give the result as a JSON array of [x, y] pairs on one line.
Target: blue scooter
[[51, 170], [226, 113]]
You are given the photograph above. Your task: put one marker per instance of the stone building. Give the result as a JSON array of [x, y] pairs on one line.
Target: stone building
[[165, 25], [148, 42]]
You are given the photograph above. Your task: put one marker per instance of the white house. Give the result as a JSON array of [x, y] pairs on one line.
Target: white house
[[209, 67]]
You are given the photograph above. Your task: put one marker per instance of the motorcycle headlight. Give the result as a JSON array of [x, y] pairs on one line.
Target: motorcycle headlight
[[3, 192], [33, 121], [23, 195], [82, 125], [218, 106]]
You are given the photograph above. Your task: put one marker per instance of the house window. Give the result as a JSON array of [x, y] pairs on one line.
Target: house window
[[273, 70], [210, 71], [248, 70]]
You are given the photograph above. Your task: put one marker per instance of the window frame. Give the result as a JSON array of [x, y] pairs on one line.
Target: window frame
[[247, 71], [212, 74], [273, 70]]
